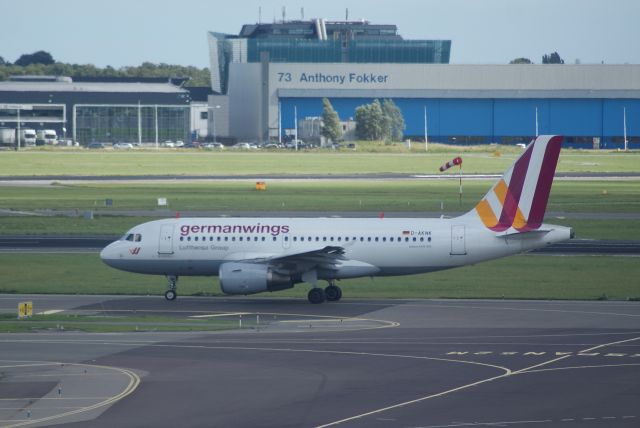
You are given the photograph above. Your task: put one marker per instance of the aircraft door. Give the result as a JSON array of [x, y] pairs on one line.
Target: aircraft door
[[458, 246], [165, 242]]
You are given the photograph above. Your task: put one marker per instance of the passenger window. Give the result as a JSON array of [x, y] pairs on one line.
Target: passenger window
[[263, 238], [241, 238], [376, 239], [369, 239], [384, 239], [317, 238], [188, 238], [182, 238], [339, 238], [331, 239], [324, 238], [218, 238], [226, 238], [406, 239], [233, 238], [274, 238], [414, 239], [295, 238], [421, 239]]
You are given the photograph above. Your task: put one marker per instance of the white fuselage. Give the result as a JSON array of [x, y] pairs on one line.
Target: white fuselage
[[372, 246]]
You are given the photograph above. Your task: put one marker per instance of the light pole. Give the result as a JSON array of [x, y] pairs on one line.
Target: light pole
[[213, 120]]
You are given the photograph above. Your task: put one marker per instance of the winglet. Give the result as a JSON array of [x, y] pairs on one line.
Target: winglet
[[519, 199]]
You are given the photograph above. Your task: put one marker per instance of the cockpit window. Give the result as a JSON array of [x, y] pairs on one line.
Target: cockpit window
[[132, 237]]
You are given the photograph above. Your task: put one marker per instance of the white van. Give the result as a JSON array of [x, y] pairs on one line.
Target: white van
[[28, 137], [46, 136]]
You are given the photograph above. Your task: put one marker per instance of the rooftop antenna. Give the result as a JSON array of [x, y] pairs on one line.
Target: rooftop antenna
[[302, 13], [259, 14], [284, 13], [346, 14]]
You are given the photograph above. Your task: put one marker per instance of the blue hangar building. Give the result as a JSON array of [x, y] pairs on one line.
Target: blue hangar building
[[272, 74]]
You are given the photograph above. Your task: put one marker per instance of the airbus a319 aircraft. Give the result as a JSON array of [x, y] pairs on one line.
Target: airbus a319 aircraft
[[252, 255]]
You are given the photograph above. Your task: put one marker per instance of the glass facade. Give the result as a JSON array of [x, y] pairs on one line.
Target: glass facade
[[130, 124], [320, 42]]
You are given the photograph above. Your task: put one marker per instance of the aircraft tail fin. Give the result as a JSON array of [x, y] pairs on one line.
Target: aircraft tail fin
[[519, 199]]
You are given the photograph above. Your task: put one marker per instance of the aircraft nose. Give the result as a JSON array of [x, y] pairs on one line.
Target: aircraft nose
[[109, 254]]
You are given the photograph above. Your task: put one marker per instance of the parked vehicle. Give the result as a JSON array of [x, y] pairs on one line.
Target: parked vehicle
[[123, 146], [46, 136], [210, 146], [28, 137], [241, 146], [271, 146], [7, 136], [169, 144], [95, 146]]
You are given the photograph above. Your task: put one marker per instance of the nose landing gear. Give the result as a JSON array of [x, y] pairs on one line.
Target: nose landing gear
[[171, 293]]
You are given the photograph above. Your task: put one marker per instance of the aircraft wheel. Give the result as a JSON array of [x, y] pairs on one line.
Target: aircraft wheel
[[316, 295], [170, 295], [333, 293]]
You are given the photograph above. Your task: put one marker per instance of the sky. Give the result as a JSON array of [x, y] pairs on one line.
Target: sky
[[129, 32]]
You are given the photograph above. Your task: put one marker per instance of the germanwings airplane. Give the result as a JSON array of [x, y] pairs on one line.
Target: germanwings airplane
[[252, 255]]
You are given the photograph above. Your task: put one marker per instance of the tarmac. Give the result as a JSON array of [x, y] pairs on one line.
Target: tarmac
[[355, 363]]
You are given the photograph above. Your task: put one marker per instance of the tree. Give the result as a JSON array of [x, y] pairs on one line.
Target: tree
[[520, 60], [395, 120], [331, 126], [377, 121], [40, 57], [2, 62], [552, 58]]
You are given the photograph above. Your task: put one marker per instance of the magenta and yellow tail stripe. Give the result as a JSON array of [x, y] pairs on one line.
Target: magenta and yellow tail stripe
[[519, 199]]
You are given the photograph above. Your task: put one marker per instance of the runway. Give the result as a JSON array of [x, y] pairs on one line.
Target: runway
[[402, 363]]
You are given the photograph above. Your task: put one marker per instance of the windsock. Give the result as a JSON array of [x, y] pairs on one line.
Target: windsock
[[454, 162]]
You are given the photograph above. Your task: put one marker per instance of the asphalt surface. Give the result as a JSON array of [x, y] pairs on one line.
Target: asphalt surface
[[407, 363], [96, 243]]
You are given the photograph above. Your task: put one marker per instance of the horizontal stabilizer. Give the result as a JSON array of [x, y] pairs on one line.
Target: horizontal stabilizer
[[524, 235]]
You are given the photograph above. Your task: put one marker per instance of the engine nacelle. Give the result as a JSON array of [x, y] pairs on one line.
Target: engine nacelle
[[251, 278]]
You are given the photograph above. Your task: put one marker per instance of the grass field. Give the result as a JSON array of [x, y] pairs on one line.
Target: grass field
[[547, 277], [109, 324], [370, 197], [395, 195], [494, 159]]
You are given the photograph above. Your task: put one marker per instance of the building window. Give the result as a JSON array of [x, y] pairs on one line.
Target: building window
[[204, 115]]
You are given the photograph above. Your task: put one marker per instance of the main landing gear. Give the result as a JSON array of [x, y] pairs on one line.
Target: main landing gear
[[332, 293], [171, 292]]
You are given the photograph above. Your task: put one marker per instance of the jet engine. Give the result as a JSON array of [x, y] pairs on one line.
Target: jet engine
[[251, 278]]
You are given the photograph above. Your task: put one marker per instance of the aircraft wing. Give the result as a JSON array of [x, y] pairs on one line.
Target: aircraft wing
[[326, 258]]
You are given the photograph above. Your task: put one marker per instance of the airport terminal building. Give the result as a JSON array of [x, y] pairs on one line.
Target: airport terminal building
[[272, 76]]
